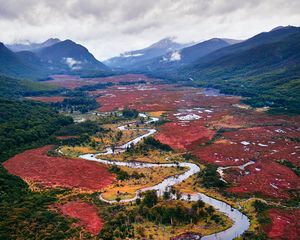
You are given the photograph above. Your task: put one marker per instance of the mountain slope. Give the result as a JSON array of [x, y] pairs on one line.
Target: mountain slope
[[12, 65], [130, 59], [68, 56], [259, 39], [63, 57], [16, 88], [32, 46], [183, 56], [265, 68]]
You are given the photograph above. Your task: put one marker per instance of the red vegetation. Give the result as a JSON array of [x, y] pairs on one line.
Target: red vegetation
[[35, 165], [184, 135], [285, 224], [140, 97], [71, 82], [86, 214], [155, 97], [255, 143], [47, 99], [268, 178]]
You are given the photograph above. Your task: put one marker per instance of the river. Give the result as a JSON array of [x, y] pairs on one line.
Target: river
[[240, 221]]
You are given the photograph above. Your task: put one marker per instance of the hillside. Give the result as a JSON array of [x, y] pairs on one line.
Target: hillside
[[64, 57], [265, 68], [131, 59], [15, 88], [185, 56], [18, 47], [12, 64], [69, 56]]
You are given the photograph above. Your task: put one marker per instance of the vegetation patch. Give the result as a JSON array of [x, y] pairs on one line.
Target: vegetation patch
[[63, 172], [85, 213]]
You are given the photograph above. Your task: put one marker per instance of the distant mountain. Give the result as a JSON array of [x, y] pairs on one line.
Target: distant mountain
[[259, 39], [265, 67], [11, 64], [128, 60], [184, 56], [62, 57], [32, 46], [69, 56]]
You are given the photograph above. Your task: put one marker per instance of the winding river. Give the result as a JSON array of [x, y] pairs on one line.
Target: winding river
[[240, 221]]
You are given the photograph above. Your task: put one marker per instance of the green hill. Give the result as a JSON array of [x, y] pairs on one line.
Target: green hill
[[265, 68], [15, 88]]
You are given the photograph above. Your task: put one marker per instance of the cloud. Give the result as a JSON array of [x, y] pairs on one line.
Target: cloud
[[110, 27], [172, 57], [72, 63]]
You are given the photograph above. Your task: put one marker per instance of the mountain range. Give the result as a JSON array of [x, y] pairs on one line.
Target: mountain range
[[32, 46], [51, 57], [184, 56], [265, 67], [131, 59]]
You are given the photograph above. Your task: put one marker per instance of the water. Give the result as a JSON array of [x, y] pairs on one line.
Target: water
[[240, 221]]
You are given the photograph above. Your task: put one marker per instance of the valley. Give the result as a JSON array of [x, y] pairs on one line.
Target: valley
[[214, 132], [150, 120]]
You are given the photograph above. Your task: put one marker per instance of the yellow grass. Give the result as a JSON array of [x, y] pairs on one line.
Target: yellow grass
[[127, 188], [248, 208], [242, 106], [76, 151], [225, 122], [222, 141], [163, 232], [190, 186], [156, 114]]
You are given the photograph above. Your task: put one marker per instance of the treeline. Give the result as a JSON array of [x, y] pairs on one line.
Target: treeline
[[152, 209], [210, 178], [148, 144], [123, 175], [25, 124], [78, 104], [15, 88], [174, 214], [25, 214], [80, 131], [105, 85], [95, 86], [130, 113]]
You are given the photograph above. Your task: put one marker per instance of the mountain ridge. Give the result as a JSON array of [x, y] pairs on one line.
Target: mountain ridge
[[131, 58], [17, 47], [62, 57]]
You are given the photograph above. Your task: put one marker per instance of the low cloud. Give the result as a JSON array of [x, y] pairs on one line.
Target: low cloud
[[72, 63], [110, 27]]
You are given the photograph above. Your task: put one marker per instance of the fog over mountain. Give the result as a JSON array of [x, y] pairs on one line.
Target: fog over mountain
[[108, 28]]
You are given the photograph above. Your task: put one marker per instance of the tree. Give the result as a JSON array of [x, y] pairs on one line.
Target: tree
[[166, 195], [150, 198]]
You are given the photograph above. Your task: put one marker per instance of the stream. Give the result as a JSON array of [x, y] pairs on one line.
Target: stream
[[240, 221]]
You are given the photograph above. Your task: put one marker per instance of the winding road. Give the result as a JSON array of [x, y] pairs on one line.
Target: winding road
[[240, 221]]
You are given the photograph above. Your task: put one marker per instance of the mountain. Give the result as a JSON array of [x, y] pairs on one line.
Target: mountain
[[68, 56], [265, 67], [12, 64], [259, 39], [184, 56], [62, 57], [32, 46], [128, 60]]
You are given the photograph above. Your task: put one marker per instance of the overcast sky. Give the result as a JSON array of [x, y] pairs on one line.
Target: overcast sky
[[109, 27]]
